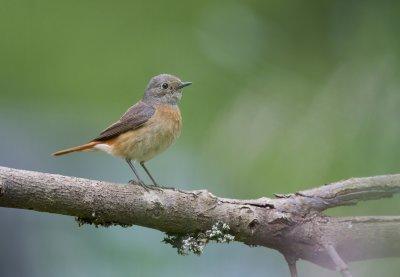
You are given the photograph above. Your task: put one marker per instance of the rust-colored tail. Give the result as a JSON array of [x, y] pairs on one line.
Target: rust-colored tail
[[79, 148]]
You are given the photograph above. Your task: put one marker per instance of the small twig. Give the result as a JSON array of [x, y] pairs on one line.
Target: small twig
[[291, 261], [340, 264]]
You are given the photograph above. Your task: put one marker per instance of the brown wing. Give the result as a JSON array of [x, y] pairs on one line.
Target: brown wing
[[134, 118]]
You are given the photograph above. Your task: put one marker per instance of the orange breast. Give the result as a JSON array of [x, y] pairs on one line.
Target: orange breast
[[156, 135]]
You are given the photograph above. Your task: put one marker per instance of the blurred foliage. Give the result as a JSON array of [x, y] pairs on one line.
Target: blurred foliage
[[287, 95]]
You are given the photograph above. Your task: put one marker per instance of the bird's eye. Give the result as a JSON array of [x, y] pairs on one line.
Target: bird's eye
[[164, 86]]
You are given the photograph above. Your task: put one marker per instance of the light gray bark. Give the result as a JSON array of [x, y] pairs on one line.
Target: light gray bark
[[292, 224]]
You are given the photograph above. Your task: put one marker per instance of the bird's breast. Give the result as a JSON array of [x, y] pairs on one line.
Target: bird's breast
[[156, 135]]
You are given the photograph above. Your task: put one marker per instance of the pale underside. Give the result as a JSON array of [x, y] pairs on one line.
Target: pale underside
[[155, 136]]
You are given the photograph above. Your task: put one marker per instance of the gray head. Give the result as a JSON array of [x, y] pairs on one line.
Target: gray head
[[164, 89]]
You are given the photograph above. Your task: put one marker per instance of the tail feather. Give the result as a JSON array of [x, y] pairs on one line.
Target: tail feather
[[84, 147]]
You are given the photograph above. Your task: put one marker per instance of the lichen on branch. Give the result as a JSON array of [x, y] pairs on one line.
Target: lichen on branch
[[195, 243]]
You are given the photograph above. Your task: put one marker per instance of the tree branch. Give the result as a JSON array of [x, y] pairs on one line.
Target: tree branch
[[292, 265], [351, 191], [342, 193], [292, 224], [340, 264]]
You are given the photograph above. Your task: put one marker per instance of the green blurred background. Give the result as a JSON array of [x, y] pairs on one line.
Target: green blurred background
[[286, 95]]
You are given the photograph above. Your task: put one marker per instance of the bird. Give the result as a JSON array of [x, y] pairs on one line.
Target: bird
[[146, 129]]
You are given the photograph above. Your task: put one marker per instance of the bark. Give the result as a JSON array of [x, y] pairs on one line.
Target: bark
[[292, 224]]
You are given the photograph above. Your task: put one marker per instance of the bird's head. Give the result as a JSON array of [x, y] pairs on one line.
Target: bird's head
[[164, 89]]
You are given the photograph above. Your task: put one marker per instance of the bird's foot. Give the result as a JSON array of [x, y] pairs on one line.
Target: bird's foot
[[165, 187], [140, 183], [154, 186], [157, 187]]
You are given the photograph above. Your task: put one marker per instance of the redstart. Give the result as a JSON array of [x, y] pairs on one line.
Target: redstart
[[146, 129]]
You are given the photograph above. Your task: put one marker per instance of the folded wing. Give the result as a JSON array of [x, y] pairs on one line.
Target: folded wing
[[135, 117]]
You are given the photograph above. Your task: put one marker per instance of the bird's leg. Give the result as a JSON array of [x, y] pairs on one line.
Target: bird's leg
[[136, 173], [148, 173]]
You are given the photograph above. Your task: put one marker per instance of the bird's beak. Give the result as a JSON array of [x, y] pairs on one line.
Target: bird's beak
[[184, 84]]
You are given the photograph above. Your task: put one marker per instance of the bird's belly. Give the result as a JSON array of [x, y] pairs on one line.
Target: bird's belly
[[146, 142]]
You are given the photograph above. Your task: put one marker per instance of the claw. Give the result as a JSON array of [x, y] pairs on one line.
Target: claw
[[143, 185], [147, 188], [156, 187]]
